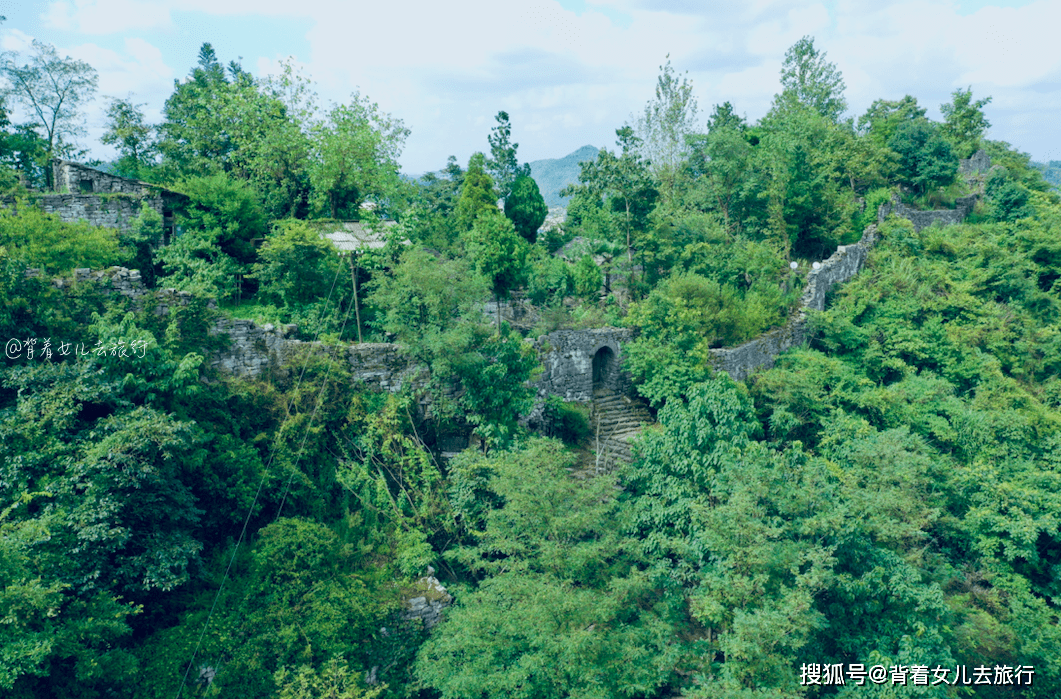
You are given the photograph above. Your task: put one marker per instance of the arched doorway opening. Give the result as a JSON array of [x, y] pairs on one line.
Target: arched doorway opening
[[603, 366]]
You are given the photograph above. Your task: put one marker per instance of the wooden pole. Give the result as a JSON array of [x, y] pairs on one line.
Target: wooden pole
[[357, 306]]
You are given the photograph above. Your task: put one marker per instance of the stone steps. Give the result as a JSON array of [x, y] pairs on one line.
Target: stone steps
[[614, 420]]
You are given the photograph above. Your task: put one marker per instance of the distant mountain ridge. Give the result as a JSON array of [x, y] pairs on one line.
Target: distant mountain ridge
[[553, 174], [1051, 172]]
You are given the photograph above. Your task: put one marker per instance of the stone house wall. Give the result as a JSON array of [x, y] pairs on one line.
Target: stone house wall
[[76, 178], [82, 193], [109, 211]]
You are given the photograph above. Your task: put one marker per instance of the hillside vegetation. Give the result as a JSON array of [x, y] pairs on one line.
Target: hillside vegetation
[[887, 496]]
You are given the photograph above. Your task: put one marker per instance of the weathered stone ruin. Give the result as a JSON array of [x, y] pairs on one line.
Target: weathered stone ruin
[[82, 193]]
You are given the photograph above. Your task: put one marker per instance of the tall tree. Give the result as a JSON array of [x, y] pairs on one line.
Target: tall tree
[[131, 136], [809, 79], [499, 254], [724, 116], [477, 193], [618, 186], [666, 121], [526, 208], [224, 120], [926, 159], [53, 90], [964, 122], [355, 153], [721, 163], [199, 129], [502, 164], [631, 189], [884, 116]]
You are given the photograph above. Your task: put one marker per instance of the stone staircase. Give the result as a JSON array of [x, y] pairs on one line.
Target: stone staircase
[[614, 420]]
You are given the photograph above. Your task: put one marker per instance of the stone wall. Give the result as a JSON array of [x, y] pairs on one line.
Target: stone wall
[[926, 219], [254, 348], [567, 359], [114, 211], [739, 362], [431, 598], [69, 176], [979, 163]]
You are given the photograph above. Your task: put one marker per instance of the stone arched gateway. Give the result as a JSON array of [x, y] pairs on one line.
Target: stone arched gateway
[[575, 362], [604, 368]]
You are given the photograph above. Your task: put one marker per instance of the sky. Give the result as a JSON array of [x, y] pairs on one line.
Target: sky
[[568, 72]]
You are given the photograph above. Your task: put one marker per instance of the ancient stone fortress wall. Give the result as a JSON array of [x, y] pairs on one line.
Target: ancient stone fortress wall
[[85, 194], [926, 219], [739, 362], [979, 163], [254, 348], [76, 178], [575, 361]]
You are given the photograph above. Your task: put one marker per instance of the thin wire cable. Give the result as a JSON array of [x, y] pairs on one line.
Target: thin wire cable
[[250, 511], [312, 417]]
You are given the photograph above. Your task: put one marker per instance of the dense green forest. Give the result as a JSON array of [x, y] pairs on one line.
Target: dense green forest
[[888, 495]]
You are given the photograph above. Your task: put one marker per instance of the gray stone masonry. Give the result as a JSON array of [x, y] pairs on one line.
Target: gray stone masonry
[[567, 358], [979, 163], [253, 347], [428, 606], [972, 170], [82, 193], [76, 178], [926, 219], [739, 362], [115, 211]]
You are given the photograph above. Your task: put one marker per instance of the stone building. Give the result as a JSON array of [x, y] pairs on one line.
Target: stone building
[[82, 193]]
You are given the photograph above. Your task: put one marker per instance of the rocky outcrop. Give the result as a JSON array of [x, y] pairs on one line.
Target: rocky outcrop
[[427, 606], [979, 163]]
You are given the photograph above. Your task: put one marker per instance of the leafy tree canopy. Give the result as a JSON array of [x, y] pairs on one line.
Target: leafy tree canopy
[[131, 136], [810, 80], [52, 90], [964, 123], [477, 193], [926, 158], [526, 208]]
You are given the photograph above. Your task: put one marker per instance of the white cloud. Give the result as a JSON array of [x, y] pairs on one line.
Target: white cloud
[[568, 78], [106, 16], [15, 40]]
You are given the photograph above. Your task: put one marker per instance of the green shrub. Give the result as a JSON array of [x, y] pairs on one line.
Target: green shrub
[[588, 278], [567, 421], [42, 240]]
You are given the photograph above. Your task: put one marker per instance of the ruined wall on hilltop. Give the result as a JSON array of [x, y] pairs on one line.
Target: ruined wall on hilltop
[[116, 211], [567, 360], [926, 219], [741, 361]]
